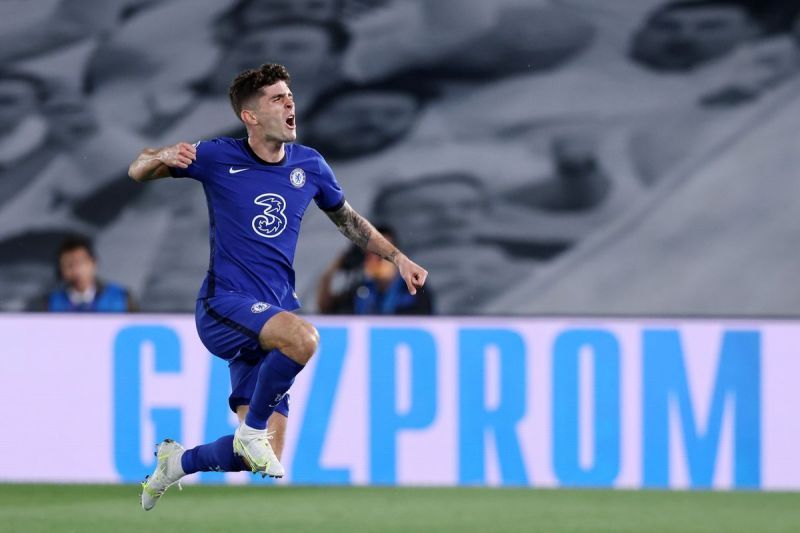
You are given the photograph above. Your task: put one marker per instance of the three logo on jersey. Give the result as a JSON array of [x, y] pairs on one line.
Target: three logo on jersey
[[272, 221]]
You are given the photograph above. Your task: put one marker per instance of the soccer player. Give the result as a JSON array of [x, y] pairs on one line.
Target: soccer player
[[257, 190]]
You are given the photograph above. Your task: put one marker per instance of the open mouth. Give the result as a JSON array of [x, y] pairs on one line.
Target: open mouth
[[290, 121]]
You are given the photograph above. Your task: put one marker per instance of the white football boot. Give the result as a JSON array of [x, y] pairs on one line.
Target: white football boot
[[253, 445], [168, 471]]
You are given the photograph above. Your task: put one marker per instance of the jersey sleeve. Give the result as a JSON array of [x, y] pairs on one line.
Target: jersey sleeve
[[329, 195], [199, 169]]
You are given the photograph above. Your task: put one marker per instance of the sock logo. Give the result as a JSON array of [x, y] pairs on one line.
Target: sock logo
[[278, 398]]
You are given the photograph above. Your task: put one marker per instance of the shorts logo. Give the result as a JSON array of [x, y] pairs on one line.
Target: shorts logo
[[272, 222], [298, 177], [260, 307]]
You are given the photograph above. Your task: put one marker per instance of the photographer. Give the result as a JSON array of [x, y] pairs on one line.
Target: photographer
[[371, 286]]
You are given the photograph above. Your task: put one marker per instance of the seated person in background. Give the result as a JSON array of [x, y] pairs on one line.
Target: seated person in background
[[374, 286], [81, 290]]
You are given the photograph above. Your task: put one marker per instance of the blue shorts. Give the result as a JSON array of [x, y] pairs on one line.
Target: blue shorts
[[228, 325]]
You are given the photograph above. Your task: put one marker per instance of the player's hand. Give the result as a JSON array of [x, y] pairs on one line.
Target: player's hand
[[178, 155], [413, 274]]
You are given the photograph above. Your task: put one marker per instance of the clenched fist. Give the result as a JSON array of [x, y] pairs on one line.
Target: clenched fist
[[178, 155]]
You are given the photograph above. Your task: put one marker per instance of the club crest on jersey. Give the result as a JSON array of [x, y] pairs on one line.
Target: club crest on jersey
[[272, 221], [298, 177], [260, 307]]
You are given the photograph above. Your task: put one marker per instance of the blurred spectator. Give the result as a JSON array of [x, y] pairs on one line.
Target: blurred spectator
[[23, 131], [194, 102], [441, 219], [70, 22], [247, 15], [761, 67], [373, 286], [579, 183], [684, 34], [353, 121], [465, 38], [775, 16], [77, 156], [59, 40], [80, 289], [153, 60], [310, 49], [523, 39]]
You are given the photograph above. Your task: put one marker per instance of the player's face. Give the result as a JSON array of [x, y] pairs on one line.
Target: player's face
[[78, 269], [365, 122], [682, 39], [17, 101], [274, 111]]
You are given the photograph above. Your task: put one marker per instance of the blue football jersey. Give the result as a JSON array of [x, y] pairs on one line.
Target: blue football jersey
[[255, 209]]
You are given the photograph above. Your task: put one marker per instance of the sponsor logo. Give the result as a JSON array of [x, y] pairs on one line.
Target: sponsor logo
[[232, 170], [272, 221], [298, 177]]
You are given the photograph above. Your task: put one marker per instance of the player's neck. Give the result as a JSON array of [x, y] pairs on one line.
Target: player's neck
[[269, 151]]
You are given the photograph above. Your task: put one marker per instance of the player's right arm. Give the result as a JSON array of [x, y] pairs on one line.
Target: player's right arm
[[154, 163]]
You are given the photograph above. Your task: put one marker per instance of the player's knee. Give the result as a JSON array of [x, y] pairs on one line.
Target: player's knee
[[306, 342], [291, 335]]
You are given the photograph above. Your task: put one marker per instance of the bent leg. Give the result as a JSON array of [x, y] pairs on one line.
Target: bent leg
[[218, 456], [294, 337], [292, 342]]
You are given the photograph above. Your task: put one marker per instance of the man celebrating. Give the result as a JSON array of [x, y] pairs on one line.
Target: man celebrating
[[258, 189]]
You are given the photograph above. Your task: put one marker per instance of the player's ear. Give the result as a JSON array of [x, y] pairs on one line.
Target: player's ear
[[248, 117]]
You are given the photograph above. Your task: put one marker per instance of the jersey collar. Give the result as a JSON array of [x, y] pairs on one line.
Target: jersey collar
[[254, 155]]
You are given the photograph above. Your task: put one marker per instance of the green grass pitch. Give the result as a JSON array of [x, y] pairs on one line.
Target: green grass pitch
[[115, 509]]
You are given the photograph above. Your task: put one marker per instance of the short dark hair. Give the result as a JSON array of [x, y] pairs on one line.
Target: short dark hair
[[250, 82], [387, 231], [76, 242]]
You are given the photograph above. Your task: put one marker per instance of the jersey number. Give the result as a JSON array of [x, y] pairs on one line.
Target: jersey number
[[272, 222]]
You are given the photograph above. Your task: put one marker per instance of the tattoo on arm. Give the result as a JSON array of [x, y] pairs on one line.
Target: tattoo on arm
[[352, 225], [360, 231]]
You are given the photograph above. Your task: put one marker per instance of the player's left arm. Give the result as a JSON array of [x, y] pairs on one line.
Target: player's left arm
[[359, 230]]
